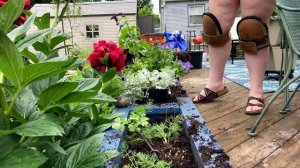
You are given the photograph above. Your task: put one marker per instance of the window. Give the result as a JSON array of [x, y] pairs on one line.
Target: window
[[195, 15], [92, 31]]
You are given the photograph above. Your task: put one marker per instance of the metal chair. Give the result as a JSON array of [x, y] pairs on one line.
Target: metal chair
[[290, 22]]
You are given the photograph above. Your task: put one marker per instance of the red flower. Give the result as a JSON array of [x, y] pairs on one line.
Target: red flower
[[22, 18], [102, 48]]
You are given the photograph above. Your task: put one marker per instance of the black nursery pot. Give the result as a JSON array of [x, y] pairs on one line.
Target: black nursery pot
[[196, 59], [159, 95]]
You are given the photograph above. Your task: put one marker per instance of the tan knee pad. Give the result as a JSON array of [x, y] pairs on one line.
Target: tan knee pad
[[253, 34], [212, 31]]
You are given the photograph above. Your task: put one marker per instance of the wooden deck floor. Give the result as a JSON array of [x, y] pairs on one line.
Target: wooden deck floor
[[278, 142]]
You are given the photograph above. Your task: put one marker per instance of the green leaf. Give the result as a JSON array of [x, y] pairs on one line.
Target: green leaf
[[45, 21], [109, 74], [105, 59], [42, 47], [56, 92], [30, 55], [32, 38], [11, 60], [9, 12], [26, 103], [11, 89], [86, 83], [49, 147], [39, 128], [55, 41], [19, 32], [43, 69], [87, 155], [23, 157], [7, 144], [79, 96], [101, 97], [82, 132], [111, 116]]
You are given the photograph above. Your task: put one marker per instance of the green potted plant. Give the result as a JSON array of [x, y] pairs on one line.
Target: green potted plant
[[154, 84]]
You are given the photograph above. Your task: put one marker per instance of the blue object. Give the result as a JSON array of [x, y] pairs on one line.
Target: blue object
[[175, 41], [201, 138]]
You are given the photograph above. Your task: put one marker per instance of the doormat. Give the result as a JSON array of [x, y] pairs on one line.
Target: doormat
[[238, 73]]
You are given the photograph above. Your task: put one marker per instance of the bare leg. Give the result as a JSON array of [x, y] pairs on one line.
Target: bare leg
[[225, 11], [256, 64]]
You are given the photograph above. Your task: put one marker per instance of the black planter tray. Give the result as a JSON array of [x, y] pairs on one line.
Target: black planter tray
[[201, 138]]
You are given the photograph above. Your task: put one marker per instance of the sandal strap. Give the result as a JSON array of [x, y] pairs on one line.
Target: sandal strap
[[209, 92], [261, 100], [258, 105]]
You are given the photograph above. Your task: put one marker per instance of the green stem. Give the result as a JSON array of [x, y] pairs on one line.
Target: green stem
[[55, 22], [11, 107]]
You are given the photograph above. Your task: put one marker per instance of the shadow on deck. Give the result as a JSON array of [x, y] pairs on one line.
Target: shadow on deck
[[278, 142]]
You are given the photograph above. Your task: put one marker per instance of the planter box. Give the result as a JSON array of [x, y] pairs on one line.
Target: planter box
[[199, 136]]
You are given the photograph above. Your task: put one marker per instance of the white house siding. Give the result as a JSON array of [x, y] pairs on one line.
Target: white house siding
[[98, 13], [175, 16]]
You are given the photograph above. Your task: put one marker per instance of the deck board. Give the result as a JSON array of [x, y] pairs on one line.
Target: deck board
[[277, 144]]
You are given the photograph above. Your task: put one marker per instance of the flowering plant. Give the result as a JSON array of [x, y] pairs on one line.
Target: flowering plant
[[22, 18], [136, 83], [107, 55]]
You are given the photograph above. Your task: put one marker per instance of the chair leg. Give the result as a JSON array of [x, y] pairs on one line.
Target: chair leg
[[285, 107], [258, 120]]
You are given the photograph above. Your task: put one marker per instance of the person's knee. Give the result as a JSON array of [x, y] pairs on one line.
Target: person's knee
[[253, 34], [213, 33]]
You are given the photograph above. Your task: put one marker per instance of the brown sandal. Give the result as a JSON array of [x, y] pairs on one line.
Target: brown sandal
[[209, 95], [260, 104]]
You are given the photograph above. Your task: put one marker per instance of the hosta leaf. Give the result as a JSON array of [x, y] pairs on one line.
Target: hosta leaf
[[23, 157], [9, 12], [87, 155], [32, 38], [82, 96], [86, 83], [20, 31], [56, 92], [39, 128], [36, 71], [7, 144], [11, 60], [26, 103]]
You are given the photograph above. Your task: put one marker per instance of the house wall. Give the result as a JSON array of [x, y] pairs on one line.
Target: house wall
[[174, 16], [108, 30]]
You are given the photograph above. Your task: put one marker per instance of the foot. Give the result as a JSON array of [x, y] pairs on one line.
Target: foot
[[255, 105], [207, 95]]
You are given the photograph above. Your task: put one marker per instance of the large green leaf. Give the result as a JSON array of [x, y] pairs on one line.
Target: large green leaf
[[86, 83], [101, 97], [39, 128], [81, 132], [11, 63], [26, 103], [9, 12], [23, 157], [79, 96], [35, 71], [56, 92], [32, 38], [87, 155], [50, 147], [7, 144], [56, 40], [19, 32]]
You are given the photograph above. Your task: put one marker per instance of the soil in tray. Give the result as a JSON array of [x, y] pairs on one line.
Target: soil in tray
[[178, 151]]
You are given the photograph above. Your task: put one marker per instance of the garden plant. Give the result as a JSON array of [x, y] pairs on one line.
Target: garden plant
[[48, 119]]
